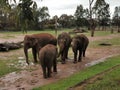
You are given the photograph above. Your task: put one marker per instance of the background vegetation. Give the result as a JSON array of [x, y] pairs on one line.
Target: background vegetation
[[25, 15]]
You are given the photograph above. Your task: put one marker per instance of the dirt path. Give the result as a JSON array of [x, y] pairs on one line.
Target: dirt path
[[26, 80]]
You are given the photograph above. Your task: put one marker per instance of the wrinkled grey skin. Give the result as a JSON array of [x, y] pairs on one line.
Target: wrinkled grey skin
[[64, 41], [79, 44], [48, 59], [36, 42]]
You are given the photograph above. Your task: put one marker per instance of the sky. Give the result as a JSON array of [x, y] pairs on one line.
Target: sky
[[59, 7]]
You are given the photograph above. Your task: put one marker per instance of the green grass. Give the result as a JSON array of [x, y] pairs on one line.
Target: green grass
[[110, 81], [113, 41], [102, 33], [80, 76], [5, 68], [98, 33], [36, 31]]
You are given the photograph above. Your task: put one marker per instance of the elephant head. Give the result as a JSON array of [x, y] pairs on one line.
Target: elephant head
[[62, 44], [74, 44], [64, 41], [29, 42]]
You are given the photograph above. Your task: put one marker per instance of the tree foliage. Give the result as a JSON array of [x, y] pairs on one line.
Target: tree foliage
[[116, 17], [81, 16], [26, 13], [102, 12]]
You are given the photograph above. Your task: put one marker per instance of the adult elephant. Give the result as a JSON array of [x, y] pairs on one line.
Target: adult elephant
[[79, 43], [48, 59], [36, 42], [64, 41]]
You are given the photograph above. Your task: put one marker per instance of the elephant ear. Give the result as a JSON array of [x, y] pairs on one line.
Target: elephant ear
[[33, 41]]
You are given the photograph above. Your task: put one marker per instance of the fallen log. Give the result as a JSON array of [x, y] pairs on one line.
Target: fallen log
[[105, 44], [6, 46]]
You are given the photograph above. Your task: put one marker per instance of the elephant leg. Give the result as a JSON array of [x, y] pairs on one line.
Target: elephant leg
[[26, 55], [75, 57], [80, 55], [66, 53], [63, 58], [48, 71], [84, 53], [54, 65], [34, 54], [44, 71], [84, 50]]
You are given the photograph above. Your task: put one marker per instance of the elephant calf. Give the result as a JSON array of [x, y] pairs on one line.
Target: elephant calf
[[47, 57], [79, 43], [64, 41]]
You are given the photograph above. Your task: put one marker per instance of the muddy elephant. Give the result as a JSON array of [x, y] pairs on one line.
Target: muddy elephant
[[48, 59], [64, 41], [36, 42], [79, 43]]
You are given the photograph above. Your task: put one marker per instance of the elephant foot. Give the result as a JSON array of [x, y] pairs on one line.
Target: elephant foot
[[79, 60], [35, 62], [74, 62], [49, 76], [66, 57], [54, 70], [45, 77], [63, 62]]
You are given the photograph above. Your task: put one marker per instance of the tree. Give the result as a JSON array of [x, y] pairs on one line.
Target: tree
[[102, 12], [79, 13], [4, 9], [66, 21], [81, 16], [91, 20], [63, 20], [26, 13], [43, 14], [116, 17]]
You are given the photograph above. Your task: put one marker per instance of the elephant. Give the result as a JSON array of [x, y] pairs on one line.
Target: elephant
[[36, 42], [79, 43], [48, 59], [64, 42]]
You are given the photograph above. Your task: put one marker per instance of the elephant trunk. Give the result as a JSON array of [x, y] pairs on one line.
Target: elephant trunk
[[61, 50]]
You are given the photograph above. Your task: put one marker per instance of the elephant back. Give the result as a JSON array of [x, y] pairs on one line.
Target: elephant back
[[45, 38]]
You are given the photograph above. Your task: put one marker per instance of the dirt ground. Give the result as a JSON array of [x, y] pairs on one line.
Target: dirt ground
[[28, 79]]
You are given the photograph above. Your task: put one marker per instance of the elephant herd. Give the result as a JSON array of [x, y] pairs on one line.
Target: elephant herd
[[45, 46]]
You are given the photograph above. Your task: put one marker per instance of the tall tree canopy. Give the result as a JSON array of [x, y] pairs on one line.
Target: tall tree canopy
[[102, 12], [116, 17], [26, 13], [81, 16]]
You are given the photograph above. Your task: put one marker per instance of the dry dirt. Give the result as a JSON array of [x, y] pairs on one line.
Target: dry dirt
[[28, 79]]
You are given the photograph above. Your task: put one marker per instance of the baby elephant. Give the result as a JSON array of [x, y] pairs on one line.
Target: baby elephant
[[79, 43], [47, 57]]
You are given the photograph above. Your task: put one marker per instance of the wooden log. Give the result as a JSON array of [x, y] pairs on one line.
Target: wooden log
[[105, 44]]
